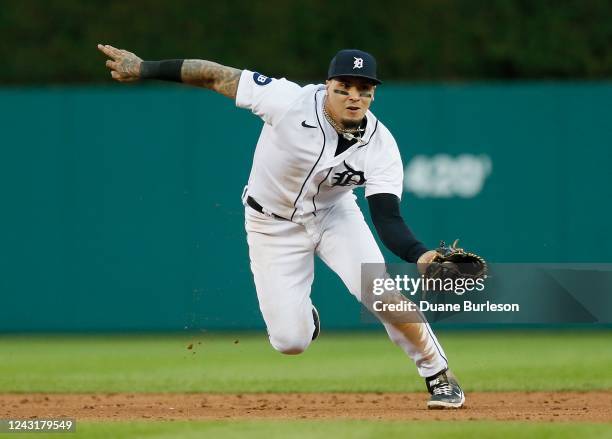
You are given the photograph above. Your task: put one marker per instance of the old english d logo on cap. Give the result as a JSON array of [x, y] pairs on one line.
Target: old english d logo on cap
[[353, 62]]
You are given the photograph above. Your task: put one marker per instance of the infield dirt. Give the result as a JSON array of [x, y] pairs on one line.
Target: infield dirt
[[506, 406]]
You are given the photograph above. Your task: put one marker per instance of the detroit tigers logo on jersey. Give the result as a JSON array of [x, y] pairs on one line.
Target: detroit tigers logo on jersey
[[348, 177], [358, 63]]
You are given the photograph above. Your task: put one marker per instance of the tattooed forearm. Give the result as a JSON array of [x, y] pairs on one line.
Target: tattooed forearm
[[208, 74]]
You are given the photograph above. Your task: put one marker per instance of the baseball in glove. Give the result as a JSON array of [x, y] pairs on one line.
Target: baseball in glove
[[452, 262]]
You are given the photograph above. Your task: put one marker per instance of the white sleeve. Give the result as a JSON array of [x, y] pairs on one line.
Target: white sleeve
[[384, 170], [266, 97]]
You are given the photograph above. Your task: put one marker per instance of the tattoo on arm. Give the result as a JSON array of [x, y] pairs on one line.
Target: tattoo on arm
[[211, 75]]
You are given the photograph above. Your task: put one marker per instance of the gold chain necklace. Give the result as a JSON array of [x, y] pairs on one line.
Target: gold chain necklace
[[347, 133]]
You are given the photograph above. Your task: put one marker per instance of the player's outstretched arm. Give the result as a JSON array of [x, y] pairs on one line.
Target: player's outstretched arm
[[208, 74], [127, 67]]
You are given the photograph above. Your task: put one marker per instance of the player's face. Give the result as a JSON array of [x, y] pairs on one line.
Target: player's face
[[348, 99]]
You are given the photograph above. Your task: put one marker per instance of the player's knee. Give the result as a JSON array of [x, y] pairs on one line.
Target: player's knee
[[290, 345]]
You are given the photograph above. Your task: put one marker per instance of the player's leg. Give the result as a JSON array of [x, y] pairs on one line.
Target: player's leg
[[346, 242], [282, 262]]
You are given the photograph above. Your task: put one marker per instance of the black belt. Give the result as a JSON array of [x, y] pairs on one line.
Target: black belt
[[259, 208]]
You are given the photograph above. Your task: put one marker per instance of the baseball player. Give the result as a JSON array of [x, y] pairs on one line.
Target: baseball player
[[317, 144]]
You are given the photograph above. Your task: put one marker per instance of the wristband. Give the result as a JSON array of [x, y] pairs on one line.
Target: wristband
[[167, 69]]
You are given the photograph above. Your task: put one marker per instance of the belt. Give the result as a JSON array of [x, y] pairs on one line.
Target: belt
[[259, 208]]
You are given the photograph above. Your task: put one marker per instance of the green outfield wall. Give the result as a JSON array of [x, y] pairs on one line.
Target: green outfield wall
[[121, 204]]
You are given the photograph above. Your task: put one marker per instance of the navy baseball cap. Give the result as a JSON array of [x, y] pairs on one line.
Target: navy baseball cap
[[353, 62]]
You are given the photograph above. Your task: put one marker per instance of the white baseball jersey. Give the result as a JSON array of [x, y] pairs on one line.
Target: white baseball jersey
[[295, 171], [296, 175]]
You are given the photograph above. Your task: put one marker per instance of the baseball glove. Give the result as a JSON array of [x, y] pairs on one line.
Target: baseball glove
[[452, 262]]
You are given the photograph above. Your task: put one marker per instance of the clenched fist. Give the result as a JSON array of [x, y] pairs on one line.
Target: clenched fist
[[124, 65]]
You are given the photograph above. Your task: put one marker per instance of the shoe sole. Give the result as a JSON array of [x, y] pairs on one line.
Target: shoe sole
[[440, 405]]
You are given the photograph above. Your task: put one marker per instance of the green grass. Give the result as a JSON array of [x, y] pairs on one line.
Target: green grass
[[335, 429], [336, 362]]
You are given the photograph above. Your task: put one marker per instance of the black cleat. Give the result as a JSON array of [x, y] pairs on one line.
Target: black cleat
[[445, 391], [317, 323]]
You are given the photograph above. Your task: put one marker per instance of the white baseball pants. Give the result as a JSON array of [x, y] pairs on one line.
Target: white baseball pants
[[282, 262]]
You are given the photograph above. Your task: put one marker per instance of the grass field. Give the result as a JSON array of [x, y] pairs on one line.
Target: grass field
[[337, 362], [351, 362]]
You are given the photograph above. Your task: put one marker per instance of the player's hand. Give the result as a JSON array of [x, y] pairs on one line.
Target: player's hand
[[124, 65], [425, 259]]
